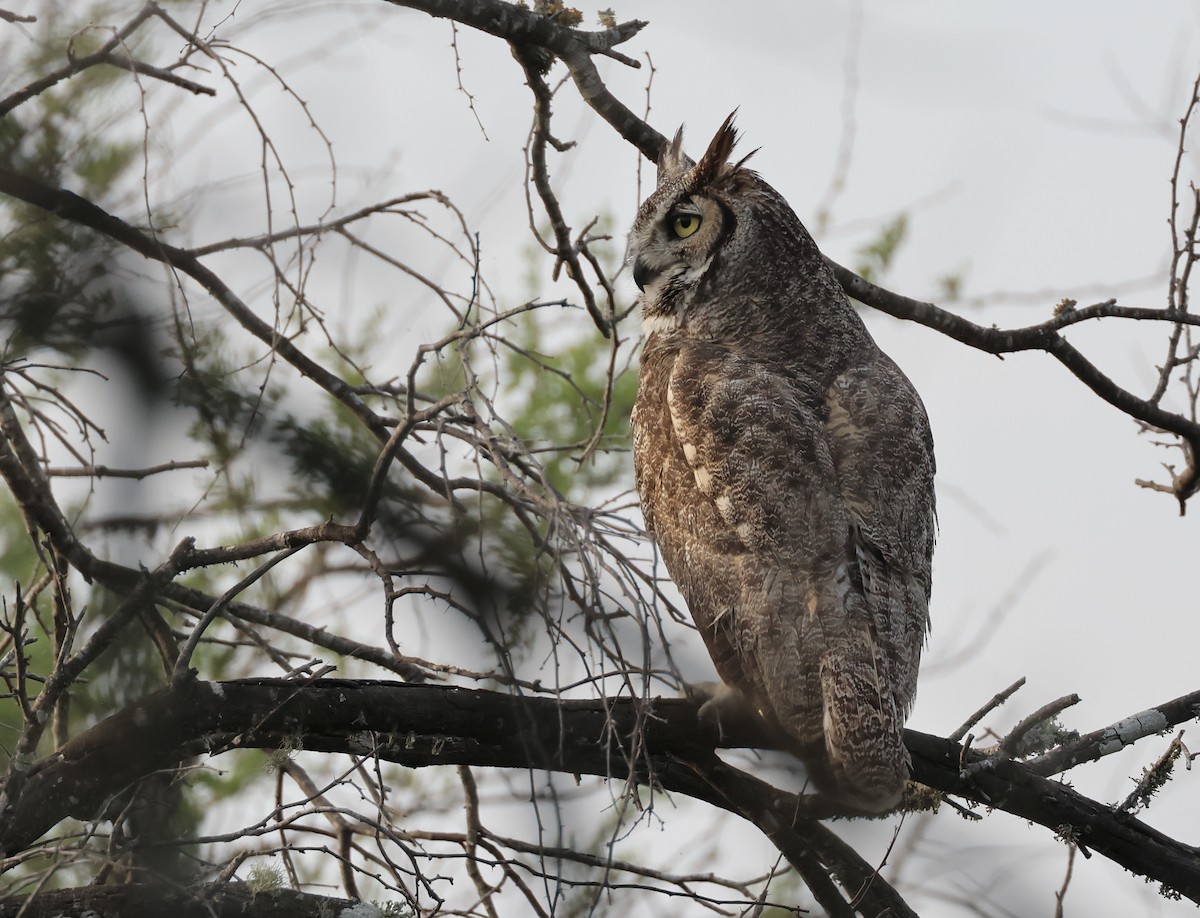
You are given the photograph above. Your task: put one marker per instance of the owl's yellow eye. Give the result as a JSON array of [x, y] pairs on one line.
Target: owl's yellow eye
[[685, 224]]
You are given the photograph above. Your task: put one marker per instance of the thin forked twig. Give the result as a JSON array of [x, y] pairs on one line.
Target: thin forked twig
[[996, 700]]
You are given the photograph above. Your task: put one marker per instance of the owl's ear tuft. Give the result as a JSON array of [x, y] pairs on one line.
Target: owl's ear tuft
[[721, 145], [714, 165], [672, 161]]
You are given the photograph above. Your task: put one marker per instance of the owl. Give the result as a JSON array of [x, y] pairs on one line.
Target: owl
[[785, 467]]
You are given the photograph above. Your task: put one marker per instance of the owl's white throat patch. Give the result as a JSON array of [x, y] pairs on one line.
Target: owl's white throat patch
[[666, 298], [651, 324]]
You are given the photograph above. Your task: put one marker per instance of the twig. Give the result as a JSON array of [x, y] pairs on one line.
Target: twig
[[565, 251], [474, 831], [69, 206], [390, 206], [1011, 743], [68, 668], [458, 72], [1061, 894], [998, 699], [845, 150], [103, 471], [523, 26], [1010, 746], [342, 827], [219, 607], [135, 66], [16, 17], [77, 65], [1154, 777]]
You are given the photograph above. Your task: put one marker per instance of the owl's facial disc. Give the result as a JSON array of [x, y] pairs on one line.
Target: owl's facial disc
[[679, 244]]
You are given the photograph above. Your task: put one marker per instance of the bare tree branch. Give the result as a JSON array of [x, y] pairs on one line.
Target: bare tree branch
[[104, 55], [1115, 737], [153, 900], [431, 725], [1046, 337], [103, 471], [15, 17]]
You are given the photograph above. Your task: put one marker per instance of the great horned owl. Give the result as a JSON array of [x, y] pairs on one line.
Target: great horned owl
[[785, 465]]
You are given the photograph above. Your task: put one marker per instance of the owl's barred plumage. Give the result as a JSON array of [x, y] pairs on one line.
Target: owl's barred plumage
[[785, 466]]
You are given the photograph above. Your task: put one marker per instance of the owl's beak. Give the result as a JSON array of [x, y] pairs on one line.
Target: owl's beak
[[643, 274]]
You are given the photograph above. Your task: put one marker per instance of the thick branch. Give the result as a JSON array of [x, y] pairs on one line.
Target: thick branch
[[16, 17], [418, 725], [523, 26], [143, 900], [1046, 337], [1116, 737]]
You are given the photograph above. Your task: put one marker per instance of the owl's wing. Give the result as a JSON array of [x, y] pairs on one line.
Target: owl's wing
[[804, 624], [883, 451]]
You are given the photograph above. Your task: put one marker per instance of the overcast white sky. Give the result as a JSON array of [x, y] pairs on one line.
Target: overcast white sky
[[1031, 144]]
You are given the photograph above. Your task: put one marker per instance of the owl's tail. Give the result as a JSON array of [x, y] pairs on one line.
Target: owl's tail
[[865, 756], [822, 672]]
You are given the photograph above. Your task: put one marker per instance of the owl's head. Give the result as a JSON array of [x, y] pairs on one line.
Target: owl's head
[[714, 242]]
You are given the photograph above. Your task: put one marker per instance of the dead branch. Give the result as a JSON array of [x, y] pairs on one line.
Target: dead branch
[[103, 471], [417, 726], [1118, 736], [152, 900], [16, 17]]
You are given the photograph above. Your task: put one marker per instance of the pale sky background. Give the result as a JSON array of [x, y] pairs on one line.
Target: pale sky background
[[1030, 143]]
